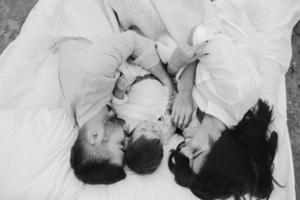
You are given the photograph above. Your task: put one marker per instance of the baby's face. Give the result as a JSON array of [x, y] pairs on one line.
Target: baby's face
[[148, 129]]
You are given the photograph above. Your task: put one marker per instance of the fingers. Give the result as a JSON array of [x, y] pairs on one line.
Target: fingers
[[175, 114], [200, 50], [187, 119], [131, 80], [181, 112], [124, 83], [181, 117], [201, 45]]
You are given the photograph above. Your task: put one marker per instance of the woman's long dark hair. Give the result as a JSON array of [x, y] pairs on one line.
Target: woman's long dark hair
[[240, 162]]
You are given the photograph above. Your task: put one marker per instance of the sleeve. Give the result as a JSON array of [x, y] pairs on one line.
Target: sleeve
[[130, 44], [227, 82], [203, 33], [117, 101], [87, 78]]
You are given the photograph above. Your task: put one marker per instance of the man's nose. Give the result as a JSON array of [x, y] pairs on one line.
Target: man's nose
[[93, 138]]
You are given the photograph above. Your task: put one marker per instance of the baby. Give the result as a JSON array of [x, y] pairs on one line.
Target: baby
[[143, 102]]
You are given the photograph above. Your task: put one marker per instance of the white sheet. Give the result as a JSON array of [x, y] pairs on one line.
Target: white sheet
[[36, 134]]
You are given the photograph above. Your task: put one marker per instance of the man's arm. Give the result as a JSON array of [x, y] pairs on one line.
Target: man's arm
[[142, 50]]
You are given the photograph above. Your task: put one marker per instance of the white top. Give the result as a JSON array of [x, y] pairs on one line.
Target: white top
[[227, 82], [147, 100]]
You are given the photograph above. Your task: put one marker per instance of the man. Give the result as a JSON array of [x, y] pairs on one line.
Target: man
[[88, 73]]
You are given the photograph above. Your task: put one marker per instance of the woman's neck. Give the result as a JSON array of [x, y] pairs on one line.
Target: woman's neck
[[214, 124]]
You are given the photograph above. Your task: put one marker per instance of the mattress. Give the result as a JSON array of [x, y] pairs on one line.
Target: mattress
[[37, 133]]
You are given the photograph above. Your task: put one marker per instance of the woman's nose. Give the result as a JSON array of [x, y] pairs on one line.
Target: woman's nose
[[188, 132], [193, 144], [187, 151]]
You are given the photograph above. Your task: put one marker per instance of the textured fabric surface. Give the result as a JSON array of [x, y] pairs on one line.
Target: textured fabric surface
[[88, 70], [163, 17], [223, 77]]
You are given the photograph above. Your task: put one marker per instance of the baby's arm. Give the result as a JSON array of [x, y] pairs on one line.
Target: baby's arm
[[183, 104], [119, 93]]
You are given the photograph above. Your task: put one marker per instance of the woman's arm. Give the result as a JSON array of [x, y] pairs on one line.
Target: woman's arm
[[183, 104]]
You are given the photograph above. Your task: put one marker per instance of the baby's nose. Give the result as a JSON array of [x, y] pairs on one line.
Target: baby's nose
[[95, 135], [153, 127]]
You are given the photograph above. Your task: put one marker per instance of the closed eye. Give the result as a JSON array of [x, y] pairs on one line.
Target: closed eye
[[122, 143], [197, 155], [195, 151], [155, 131]]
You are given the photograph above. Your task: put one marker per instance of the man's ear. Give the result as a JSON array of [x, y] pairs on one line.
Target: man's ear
[[110, 109]]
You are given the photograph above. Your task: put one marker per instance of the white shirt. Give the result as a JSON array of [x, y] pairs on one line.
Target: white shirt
[[88, 72], [227, 82], [147, 100]]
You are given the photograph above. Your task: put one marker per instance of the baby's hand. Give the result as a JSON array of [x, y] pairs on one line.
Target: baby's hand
[[123, 83], [185, 55], [182, 110], [122, 86]]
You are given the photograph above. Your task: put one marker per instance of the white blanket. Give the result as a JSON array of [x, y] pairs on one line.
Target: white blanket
[[37, 135]]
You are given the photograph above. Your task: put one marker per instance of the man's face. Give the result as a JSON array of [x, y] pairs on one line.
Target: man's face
[[103, 138]]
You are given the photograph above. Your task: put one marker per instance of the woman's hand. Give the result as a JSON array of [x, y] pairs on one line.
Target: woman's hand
[[182, 110]]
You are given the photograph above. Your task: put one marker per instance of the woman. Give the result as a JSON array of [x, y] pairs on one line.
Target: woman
[[225, 85], [236, 162]]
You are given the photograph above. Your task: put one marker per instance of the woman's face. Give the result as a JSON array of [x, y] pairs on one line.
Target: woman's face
[[199, 138]]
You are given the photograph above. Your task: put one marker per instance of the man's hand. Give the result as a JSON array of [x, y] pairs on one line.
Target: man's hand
[[182, 110], [122, 86], [185, 55]]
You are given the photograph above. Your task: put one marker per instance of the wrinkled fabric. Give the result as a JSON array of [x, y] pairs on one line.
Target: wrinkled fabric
[[88, 71]]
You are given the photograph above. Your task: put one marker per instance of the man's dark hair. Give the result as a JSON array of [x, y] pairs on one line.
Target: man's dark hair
[[240, 162], [144, 155], [94, 171]]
